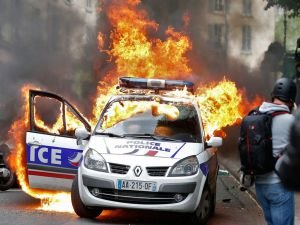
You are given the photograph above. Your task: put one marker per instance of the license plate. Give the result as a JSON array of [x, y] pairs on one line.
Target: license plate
[[135, 185]]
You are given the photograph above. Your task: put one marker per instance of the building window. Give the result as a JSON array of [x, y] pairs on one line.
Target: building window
[[6, 33], [89, 6], [246, 38], [217, 35], [247, 7], [219, 5], [69, 2]]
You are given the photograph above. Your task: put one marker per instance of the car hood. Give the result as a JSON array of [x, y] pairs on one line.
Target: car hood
[[144, 147]]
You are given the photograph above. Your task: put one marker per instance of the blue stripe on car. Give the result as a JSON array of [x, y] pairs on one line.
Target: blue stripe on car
[[178, 150], [204, 168]]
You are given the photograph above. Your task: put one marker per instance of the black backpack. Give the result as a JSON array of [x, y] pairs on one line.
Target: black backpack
[[255, 143]]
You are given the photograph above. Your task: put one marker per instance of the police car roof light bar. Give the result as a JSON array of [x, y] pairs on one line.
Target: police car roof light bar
[[155, 84]]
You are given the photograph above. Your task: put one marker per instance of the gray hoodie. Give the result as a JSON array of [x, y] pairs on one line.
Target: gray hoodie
[[280, 134]]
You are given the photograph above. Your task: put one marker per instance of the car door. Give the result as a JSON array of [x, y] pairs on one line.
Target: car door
[[52, 153]]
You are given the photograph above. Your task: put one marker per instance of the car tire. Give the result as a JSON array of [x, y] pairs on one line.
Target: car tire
[[214, 199], [205, 207], [80, 209], [213, 204], [9, 182]]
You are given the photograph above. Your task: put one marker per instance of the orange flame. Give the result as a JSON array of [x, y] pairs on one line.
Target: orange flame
[[219, 105], [122, 111], [49, 199], [71, 122], [17, 160], [55, 129], [100, 38], [135, 54], [119, 112]]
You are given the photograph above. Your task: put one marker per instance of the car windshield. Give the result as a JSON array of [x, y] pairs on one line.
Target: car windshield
[[173, 121]]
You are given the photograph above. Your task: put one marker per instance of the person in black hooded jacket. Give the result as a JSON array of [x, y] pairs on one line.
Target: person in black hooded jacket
[[288, 165]]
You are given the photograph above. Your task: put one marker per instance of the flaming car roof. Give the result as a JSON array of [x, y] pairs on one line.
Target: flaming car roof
[[168, 96], [132, 85]]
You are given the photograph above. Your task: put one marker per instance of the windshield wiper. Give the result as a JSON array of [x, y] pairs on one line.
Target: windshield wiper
[[154, 137], [163, 138], [109, 134]]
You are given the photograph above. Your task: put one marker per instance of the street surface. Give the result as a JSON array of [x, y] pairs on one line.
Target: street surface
[[233, 208]]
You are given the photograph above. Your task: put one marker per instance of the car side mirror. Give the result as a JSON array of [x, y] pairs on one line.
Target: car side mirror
[[214, 142], [81, 133]]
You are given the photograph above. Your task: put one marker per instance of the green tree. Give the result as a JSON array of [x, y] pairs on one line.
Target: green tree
[[292, 6], [292, 32]]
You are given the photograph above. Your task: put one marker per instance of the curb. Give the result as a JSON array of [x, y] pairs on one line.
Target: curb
[[228, 170]]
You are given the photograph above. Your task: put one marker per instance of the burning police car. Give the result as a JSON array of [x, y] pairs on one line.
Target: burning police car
[[153, 157], [147, 151]]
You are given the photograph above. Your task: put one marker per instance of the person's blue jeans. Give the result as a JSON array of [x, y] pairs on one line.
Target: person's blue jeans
[[277, 203]]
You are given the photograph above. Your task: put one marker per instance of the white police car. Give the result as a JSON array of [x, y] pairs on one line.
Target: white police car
[[147, 151]]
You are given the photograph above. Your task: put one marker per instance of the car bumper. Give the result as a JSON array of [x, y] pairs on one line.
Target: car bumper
[[174, 194]]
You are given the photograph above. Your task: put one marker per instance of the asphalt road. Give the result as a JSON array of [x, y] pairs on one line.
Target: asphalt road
[[233, 208]]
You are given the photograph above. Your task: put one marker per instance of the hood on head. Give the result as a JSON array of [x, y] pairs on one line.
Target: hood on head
[[272, 107]]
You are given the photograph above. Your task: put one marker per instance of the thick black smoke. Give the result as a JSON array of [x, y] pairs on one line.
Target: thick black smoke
[[208, 62], [44, 44]]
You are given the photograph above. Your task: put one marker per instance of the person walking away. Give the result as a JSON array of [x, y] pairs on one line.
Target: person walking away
[[276, 201]]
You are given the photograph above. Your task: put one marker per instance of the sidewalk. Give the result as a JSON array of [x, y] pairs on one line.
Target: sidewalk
[[230, 161]]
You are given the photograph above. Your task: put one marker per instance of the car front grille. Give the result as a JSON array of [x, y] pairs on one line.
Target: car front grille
[[137, 197], [118, 168], [157, 171]]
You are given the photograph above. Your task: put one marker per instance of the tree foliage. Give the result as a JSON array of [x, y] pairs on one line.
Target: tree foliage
[[292, 6]]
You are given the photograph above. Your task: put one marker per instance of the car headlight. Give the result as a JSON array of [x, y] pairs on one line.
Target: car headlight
[[186, 167], [94, 161]]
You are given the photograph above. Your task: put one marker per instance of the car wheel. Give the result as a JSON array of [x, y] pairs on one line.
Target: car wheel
[[213, 204], [7, 182], [80, 209], [214, 199], [204, 209]]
